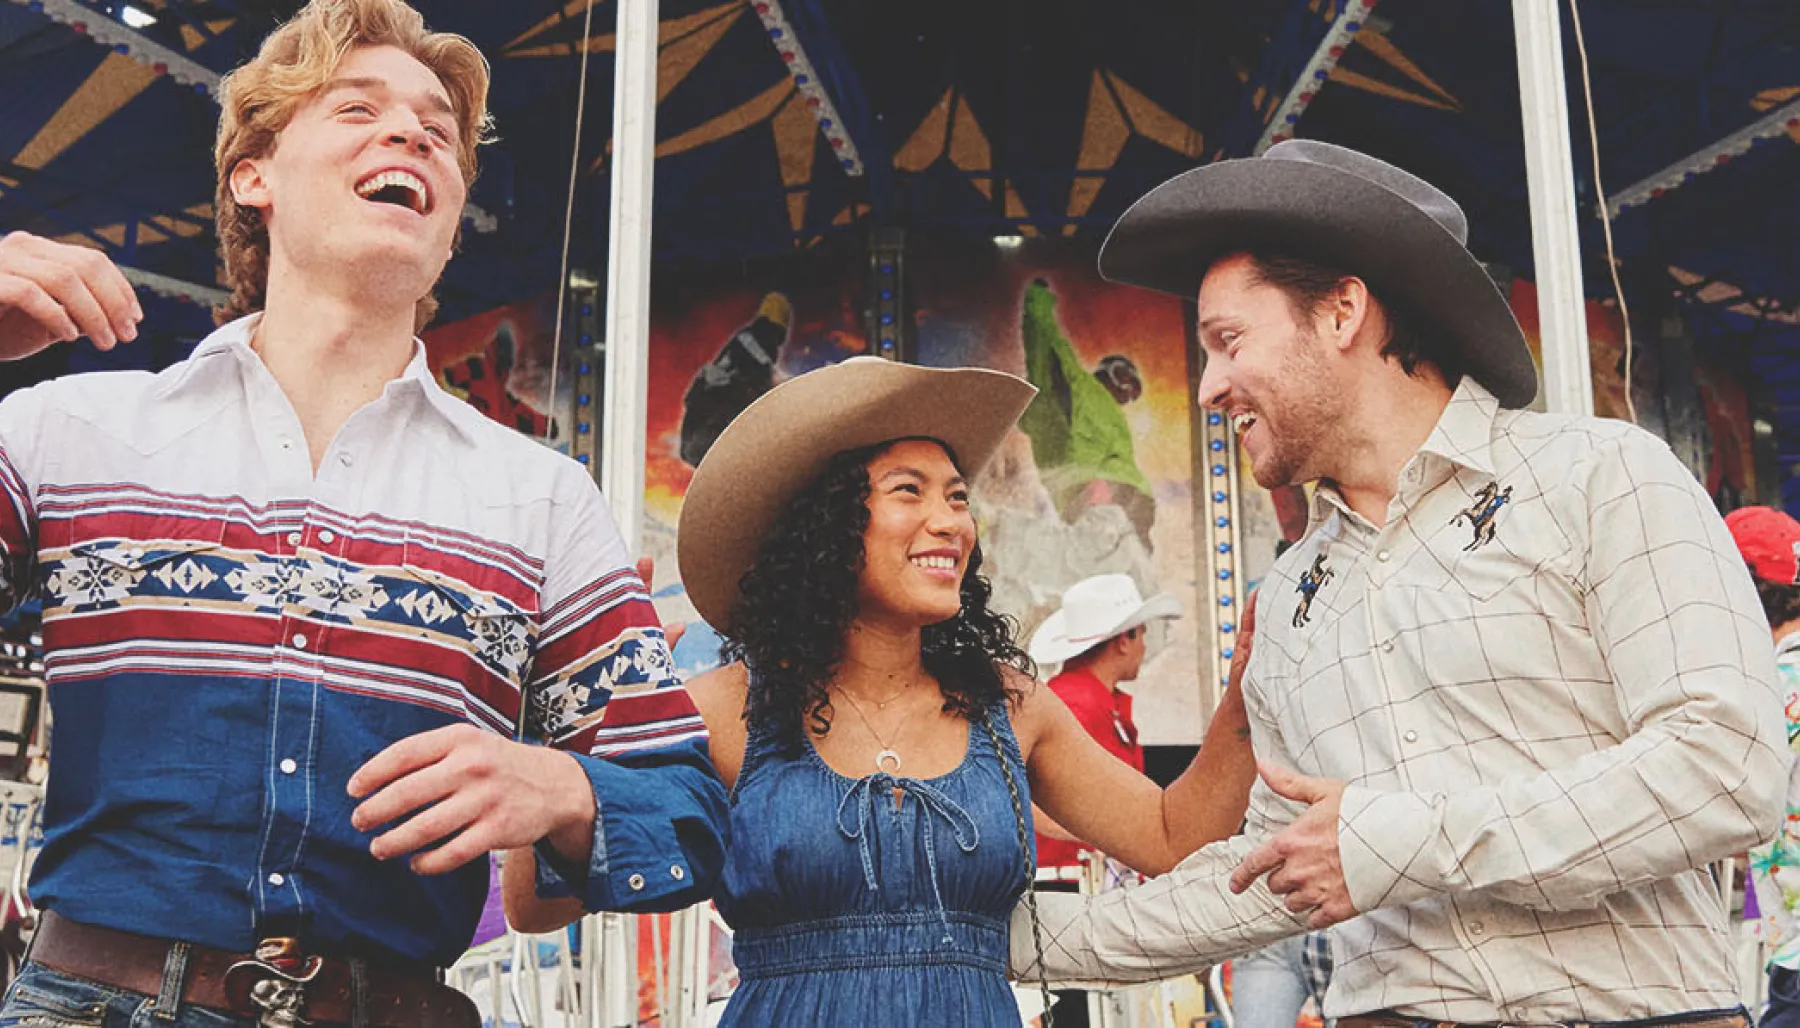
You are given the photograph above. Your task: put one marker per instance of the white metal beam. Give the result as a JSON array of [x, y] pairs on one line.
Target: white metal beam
[[114, 34], [1550, 175], [628, 267]]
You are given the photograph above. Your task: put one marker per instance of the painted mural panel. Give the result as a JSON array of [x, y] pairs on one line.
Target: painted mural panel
[[1723, 454], [500, 362], [719, 338], [1099, 477]]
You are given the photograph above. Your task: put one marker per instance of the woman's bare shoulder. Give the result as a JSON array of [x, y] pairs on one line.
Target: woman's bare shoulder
[[720, 695], [728, 685], [1026, 696]]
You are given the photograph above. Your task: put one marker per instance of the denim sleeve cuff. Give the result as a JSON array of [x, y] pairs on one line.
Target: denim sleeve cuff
[[639, 861], [557, 876]]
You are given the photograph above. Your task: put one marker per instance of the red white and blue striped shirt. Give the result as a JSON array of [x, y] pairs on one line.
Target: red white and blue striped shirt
[[229, 637]]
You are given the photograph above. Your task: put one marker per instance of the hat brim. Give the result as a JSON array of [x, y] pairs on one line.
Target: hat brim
[[781, 442], [1170, 237], [1052, 644]]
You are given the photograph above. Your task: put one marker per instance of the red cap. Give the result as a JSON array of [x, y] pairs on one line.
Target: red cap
[[1769, 541]]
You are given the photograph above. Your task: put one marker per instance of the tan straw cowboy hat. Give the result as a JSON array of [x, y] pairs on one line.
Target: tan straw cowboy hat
[[780, 443]]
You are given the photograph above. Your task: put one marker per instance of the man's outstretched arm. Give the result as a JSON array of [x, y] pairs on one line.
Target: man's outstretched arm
[[1180, 923]]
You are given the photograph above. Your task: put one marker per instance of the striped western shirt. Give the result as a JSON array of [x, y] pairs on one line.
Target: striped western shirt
[[229, 636]]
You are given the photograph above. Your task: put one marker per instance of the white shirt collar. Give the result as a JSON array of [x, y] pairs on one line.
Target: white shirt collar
[[233, 339]]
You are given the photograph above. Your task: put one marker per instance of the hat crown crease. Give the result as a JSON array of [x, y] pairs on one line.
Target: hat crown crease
[[1433, 202]]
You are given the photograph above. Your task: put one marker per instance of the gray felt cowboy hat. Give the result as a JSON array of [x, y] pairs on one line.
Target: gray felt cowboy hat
[[1399, 233], [783, 441]]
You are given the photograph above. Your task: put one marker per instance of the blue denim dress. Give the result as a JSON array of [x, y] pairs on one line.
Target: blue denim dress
[[848, 910]]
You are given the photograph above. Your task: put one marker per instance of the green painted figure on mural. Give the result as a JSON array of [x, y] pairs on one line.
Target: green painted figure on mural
[[1079, 436]]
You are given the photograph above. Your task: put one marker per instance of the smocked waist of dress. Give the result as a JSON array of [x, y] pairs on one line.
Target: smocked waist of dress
[[921, 938]]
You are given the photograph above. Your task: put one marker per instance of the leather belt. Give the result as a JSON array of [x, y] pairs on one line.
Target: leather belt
[[1698, 1019], [252, 985]]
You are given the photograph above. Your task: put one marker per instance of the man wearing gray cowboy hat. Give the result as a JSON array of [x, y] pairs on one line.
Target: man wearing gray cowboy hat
[[1513, 691]]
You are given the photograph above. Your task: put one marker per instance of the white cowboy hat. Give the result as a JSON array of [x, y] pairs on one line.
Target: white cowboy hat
[[780, 443], [1093, 611]]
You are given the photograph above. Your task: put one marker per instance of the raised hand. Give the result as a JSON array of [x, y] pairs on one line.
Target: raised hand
[[53, 292], [470, 791], [1302, 860]]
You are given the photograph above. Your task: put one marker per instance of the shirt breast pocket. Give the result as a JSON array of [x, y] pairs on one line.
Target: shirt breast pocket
[[1489, 554], [1514, 668], [1491, 607], [1491, 628], [100, 564]]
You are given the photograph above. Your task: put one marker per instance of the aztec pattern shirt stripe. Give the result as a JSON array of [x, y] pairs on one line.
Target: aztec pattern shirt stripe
[[229, 637], [1549, 684]]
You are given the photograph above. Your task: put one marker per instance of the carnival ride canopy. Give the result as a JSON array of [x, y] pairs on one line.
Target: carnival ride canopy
[[785, 124]]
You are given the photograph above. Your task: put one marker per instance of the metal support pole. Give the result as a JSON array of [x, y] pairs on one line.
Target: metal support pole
[[618, 998], [1550, 175], [611, 959], [628, 267], [689, 931], [699, 962], [593, 955], [1221, 564]]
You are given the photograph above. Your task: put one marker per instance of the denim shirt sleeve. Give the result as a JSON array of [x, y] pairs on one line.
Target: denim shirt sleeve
[[604, 689], [659, 839]]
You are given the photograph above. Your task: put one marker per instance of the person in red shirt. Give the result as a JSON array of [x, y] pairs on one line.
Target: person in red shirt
[[1098, 636]]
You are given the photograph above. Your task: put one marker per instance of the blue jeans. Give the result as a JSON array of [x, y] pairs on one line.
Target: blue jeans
[[1783, 1010], [1270, 986], [42, 998]]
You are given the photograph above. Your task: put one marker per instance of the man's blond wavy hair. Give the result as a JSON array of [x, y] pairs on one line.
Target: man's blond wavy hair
[[259, 99]]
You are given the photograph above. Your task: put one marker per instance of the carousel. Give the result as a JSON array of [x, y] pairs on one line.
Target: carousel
[[677, 185]]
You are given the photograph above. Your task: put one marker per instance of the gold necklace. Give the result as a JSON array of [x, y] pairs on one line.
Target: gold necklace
[[891, 697], [882, 704], [888, 753]]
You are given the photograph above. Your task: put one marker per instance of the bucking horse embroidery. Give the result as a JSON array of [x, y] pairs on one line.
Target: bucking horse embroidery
[[1310, 582], [1481, 514]]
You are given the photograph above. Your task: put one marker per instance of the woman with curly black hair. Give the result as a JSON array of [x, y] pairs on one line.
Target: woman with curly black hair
[[876, 721], [799, 602]]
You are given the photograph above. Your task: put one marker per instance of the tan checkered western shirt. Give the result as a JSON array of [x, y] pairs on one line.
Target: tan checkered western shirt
[[1551, 689]]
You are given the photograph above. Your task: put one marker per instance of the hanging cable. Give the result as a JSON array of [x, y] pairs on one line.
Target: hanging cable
[[562, 272], [1612, 263]]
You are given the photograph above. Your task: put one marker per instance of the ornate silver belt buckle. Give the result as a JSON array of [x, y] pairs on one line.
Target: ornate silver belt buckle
[[273, 983]]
